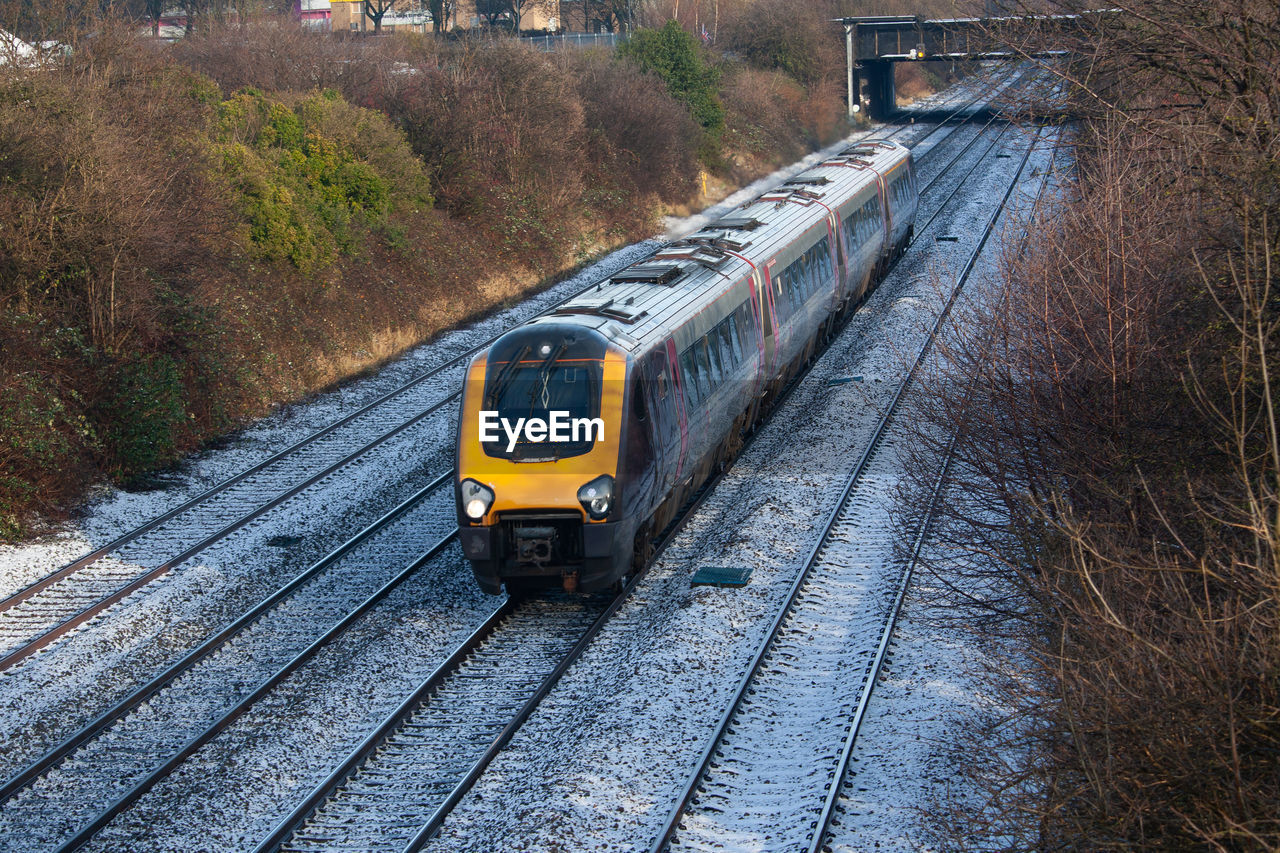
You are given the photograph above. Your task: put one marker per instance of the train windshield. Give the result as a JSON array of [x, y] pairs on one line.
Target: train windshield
[[542, 397]]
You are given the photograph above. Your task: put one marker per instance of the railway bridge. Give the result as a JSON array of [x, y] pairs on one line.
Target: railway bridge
[[874, 44]]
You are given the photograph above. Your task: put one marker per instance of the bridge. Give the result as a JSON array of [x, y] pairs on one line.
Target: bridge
[[874, 44]]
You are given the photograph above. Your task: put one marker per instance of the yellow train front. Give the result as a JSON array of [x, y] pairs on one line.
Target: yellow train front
[[540, 484]]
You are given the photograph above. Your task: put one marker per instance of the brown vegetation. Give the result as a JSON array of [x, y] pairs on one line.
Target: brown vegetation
[[1117, 478], [191, 233]]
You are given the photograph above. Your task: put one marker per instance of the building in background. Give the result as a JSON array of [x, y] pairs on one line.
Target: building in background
[[314, 14], [534, 14], [404, 15]]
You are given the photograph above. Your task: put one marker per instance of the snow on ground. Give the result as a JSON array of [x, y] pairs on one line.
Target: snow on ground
[[608, 745], [905, 779], [611, 744]]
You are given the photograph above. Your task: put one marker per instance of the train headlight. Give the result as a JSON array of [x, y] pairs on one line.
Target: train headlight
[[476, 499], [596, 497]]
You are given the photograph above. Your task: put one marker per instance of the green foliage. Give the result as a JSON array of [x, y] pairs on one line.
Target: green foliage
[[43, 428], [673, 55], [143, 413], [39, 431], [310, 178]]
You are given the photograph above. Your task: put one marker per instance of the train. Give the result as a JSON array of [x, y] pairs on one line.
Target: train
[[583, 431]]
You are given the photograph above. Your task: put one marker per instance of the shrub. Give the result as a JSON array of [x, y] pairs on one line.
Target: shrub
[[301, 190], [511, 166], [763, 115], [142, 415], [1115, 481], [779, 35], [674, 56], [274, 54], [640, 133], [44, 434]]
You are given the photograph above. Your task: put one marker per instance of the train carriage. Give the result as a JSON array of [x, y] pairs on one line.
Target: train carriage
[[583, 431]]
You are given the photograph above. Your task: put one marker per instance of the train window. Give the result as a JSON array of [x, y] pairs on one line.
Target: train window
[[531, 389], [705, 382], [721, 334], [744, 327], [662, 385], [637, 402], [690, 371], [729, 329], [719, 364], [825, 270], [781, 304], [713, 360]]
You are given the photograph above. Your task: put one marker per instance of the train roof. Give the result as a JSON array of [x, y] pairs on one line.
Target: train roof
[[648, 300]]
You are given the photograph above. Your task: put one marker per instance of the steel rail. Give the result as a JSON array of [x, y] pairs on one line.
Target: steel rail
[[325, 789], [922, 531], [139, 696], [672, 822], [54, 633], [131, 796], [84, 615], [102, 551], [433, 824], [216, 641]]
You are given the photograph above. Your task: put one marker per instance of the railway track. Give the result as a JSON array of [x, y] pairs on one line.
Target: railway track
[[394, 791], [781, 750], [147, 746], [41, 613], [37, 616], [230, 670]]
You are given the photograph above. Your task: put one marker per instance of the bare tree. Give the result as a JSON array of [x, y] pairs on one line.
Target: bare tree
[[492, 12], [374, 10], [1117, 482]]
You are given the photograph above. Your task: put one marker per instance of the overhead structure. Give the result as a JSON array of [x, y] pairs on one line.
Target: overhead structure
[[874, 43]]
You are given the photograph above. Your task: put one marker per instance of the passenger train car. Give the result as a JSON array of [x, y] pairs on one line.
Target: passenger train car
[[582, 432]]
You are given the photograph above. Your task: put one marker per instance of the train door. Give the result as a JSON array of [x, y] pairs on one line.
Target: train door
[[642, 450], [764, 291], [838, 258], [682, 413], [886, 213]]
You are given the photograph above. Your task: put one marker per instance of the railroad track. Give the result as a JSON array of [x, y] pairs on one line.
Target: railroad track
[[173, 753], [780, 752], [395, 790], [41, 613], [37, 616], [230, 670]]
